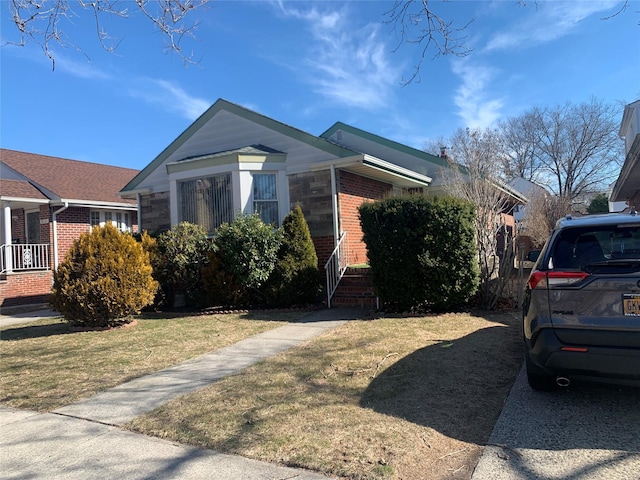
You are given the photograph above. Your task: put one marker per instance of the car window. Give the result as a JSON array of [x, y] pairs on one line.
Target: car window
[[585, 248]]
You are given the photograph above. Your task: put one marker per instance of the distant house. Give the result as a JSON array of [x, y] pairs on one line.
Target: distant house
[[233, 160], [627, 186], [47, 202]]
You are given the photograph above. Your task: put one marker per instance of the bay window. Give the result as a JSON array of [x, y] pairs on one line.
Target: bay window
[[206, 201]]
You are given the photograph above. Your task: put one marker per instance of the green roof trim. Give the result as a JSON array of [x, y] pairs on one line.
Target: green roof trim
[[441, 162], [221, 104]]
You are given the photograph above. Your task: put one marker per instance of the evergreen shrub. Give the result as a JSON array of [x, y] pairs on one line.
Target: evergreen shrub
[[179, 257], [104, 278], [247, 249], [220, 287], [421, 251], [295, 279]]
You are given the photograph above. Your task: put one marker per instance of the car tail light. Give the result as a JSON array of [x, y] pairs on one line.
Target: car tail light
[[539, 279]]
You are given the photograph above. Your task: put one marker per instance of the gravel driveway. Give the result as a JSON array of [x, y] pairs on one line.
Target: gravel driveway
[[583, 432]]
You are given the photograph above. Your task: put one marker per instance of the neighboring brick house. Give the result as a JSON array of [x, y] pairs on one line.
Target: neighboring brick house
[[46, 203], [627, 187], [233, 160]]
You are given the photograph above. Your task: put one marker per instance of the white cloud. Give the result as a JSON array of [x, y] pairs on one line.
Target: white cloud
[[348, 64], [84, 70], [474, 106], [171, 97], [550, 21]]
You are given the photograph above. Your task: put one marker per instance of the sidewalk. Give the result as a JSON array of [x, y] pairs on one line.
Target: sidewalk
[[82, 440]]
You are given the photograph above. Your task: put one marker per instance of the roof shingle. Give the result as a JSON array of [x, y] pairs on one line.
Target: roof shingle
[[68, 179]]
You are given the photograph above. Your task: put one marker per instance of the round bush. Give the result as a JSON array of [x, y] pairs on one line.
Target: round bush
[[103, 280]]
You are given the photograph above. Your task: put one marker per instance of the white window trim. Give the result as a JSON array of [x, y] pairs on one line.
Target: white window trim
[[126, 219]]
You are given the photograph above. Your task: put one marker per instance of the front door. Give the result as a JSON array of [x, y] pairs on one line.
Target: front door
[[33, 227]]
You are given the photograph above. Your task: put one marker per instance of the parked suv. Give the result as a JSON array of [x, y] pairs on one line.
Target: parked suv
[[582, 303]]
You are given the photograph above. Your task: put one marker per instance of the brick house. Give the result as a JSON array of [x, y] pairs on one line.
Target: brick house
[[46, 203], [232, 159]]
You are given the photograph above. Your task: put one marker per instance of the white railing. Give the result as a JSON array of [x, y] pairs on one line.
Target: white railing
[[21, 257], [336, 266]]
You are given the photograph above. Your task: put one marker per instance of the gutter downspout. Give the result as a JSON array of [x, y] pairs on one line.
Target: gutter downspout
[[55, 234], [139, 212]]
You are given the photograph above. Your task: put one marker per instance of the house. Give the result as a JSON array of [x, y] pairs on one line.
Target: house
[[627, 186], [232, 160], [46, 203]]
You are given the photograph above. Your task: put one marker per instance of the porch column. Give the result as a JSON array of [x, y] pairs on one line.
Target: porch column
[[8, 257], [334, 205]]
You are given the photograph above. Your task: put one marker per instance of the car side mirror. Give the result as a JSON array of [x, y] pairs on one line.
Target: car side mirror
[[533, 255]]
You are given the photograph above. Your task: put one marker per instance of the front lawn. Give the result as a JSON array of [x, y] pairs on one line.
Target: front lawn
[[389, 398], [44, 365]]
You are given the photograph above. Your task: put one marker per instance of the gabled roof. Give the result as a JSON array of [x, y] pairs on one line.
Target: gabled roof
[[249, 115], [61, 179]]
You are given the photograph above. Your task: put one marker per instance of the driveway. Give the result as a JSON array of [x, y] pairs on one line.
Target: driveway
[[584, 432]]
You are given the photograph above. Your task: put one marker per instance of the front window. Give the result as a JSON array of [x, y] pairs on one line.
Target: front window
[[120, 220], [206, 201], [265, 197]]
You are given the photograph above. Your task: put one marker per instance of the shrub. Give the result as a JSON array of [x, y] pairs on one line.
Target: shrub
[[247, 248], [220, 286], [181, 254], [296, 278], [104, 278], [421, 251]]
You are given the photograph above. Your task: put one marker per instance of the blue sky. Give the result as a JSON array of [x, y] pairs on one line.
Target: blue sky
[[309, 64]]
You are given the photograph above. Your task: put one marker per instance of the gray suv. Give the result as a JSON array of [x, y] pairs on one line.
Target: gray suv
[[581, 313]]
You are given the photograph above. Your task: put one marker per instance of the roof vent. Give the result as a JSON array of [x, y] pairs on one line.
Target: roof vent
[[568, 217], [633, 211], [339, 135]]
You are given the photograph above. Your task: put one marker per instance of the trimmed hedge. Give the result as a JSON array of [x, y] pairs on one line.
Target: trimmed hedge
[[421, 251]]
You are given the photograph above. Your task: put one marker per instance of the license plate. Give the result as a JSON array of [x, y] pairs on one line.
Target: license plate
[[631, 304]]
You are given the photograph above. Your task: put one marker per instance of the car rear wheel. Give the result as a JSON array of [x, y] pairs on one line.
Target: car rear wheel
[[539, 379]]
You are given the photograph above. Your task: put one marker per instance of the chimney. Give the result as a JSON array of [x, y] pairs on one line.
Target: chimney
[[443, 152]]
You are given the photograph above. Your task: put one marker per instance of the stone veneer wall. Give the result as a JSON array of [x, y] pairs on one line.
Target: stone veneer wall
[[156, 213], [312, 192]]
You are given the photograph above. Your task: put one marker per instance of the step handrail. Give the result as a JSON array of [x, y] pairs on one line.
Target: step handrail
[[336, 266]]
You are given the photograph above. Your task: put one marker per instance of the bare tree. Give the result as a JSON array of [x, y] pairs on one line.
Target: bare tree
[[541, 214], [416, 22], [475, 179], [520, 140], [42, 21], [577, 149]]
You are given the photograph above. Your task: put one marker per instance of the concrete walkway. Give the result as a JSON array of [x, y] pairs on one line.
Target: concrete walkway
[[82, 440]]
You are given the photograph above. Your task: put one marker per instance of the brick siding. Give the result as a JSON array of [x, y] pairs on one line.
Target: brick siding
[[355, 190], [22, 288], [25, 288]]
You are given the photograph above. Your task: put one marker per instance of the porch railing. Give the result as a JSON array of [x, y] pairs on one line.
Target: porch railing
[[336, 266], [21, 257]]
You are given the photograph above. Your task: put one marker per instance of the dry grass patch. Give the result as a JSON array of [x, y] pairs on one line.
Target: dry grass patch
[[401, 398], [44, 365]]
